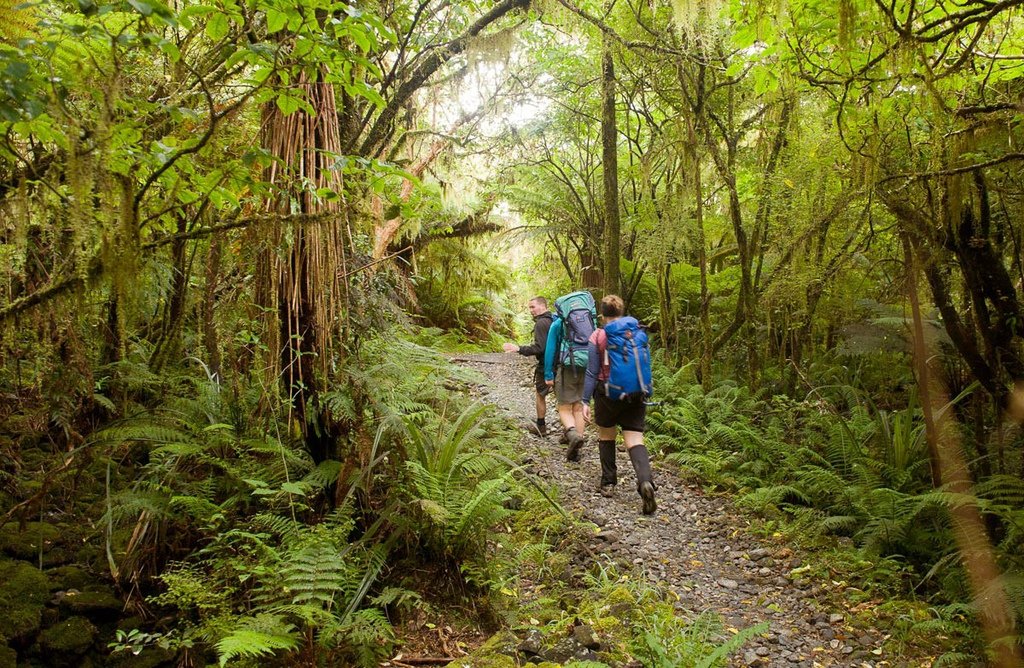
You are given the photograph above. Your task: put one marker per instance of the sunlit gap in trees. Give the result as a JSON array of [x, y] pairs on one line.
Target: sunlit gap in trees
[[488, 102]]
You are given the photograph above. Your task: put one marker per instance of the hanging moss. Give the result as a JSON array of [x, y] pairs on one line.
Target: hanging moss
[[693, 17], [494, 47]]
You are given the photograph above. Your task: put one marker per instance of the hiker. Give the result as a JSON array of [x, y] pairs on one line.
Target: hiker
[[619, 380], [565, 363], [538, 307]]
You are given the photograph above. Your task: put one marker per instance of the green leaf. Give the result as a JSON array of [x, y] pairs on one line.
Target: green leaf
[[293, 488], [276, 20], [287, 104], [217, 27], [171, 50], [141, 7]]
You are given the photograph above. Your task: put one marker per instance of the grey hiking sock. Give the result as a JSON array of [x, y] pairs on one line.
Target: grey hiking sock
[[641, 464], [609, 474]]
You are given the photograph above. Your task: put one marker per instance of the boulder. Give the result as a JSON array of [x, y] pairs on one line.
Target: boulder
[[70, 638], [96, 603], [24, 591], [25, 544], [70, 577]]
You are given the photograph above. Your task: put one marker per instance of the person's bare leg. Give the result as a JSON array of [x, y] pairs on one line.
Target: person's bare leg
[[577, 416], [566, 416], [542, 406]]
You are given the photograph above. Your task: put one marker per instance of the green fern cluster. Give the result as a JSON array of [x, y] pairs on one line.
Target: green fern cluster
[[862, 473], [266, 575], [269, 573], [457, 489]]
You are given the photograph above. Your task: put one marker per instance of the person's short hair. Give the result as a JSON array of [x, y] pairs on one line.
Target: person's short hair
[[540, 300], [612, 306]]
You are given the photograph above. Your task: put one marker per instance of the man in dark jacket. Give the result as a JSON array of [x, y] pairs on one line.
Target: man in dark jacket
[[542, 317]]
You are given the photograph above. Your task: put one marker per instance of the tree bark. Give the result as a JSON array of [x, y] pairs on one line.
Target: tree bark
[[610, 161], [210, 338]]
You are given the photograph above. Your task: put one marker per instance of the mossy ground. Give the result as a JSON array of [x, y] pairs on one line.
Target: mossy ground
[[24, 591], [28, 542], [71, 636]]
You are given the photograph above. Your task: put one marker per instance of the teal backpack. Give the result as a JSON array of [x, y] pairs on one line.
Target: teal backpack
[[579, 317]]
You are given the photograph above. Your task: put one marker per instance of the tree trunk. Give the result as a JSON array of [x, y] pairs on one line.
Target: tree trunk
[[924, 374], [610, 160], [210, 339], [706, 338], [174, 308], [306, 282]]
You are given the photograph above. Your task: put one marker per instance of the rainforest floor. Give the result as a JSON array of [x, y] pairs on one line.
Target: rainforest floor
[[698, 549]]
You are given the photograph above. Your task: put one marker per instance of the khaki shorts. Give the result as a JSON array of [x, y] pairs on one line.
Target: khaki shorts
[[569, 384], [538, 381]]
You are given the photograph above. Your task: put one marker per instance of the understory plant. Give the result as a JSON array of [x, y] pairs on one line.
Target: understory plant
[[861, 473], [260, 554], [634, 619]]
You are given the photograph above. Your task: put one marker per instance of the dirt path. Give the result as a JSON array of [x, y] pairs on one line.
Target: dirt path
[[693, 545]]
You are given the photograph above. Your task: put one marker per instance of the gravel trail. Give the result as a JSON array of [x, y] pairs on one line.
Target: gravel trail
[[694, 544]]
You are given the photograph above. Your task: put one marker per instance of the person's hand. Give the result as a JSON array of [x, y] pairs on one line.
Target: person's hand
[[510, 348], [549, 383], [586, 413]]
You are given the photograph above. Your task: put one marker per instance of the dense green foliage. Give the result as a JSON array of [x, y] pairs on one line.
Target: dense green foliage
[[217, 216]]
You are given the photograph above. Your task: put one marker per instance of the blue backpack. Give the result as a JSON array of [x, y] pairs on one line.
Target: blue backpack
[[629, 358], [579, 315]]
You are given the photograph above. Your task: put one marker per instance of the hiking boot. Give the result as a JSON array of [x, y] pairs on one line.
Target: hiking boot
[[647, 494], [575, 443], [564, 438], [607, 491]]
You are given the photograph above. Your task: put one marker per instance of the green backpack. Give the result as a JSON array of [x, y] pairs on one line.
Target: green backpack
[[579, 317]]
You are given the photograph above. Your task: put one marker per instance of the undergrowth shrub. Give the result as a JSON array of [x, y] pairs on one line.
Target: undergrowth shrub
[[458, 490], [858, 471], [260, 555]]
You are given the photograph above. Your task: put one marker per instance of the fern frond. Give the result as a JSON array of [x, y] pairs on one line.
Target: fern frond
[[257, 636], [17, 20]]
